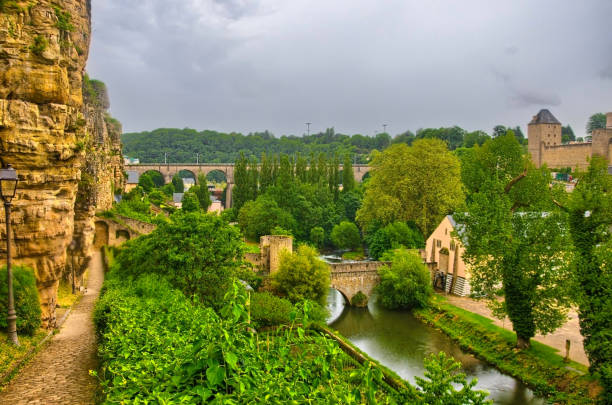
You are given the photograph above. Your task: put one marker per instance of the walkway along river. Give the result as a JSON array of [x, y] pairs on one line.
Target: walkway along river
[[401, 342]]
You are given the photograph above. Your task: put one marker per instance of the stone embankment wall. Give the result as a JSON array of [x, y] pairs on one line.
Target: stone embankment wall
[[43, 51]]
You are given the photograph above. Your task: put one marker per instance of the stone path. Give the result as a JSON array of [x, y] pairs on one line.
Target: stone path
[[570, 330], [59, 374]]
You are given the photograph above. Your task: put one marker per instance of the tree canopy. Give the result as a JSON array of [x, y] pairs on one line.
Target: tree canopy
[[419, 183], [596, 121], [516, 242]]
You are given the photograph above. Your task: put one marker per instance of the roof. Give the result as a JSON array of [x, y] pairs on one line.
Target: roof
[[133, 177], [544, 117], [177, 197]]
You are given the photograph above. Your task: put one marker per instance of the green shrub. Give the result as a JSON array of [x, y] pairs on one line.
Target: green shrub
[[40, 44], [317, 236], [270, 310], [345, 235], [27, 304], [302, 275], [406, 283], [157, 346], [359, 300], [393, 236], [63, 19], [199, 253]]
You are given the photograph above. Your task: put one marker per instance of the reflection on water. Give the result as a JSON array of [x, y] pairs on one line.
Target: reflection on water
[[401, 342]]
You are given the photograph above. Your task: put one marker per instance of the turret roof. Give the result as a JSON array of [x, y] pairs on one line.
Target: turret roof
[[544, 117]]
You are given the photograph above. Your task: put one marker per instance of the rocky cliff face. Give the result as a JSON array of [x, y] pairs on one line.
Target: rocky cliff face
[[43, 50], [101, 174]]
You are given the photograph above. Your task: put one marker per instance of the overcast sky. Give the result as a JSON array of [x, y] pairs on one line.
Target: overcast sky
[[251, 65]]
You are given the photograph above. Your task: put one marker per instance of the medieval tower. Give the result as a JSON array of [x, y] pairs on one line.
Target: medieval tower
[[546, 147]]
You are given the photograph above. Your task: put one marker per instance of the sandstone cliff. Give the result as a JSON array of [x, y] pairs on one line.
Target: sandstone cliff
[[101, 173], [43, 50]]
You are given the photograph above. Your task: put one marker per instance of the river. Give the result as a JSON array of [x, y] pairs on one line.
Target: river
[[400, 341]]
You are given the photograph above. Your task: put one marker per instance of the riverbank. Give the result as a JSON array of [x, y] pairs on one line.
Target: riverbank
[[539, 367]]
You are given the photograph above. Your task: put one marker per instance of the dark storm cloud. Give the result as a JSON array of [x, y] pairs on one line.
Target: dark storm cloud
[[247, 65]]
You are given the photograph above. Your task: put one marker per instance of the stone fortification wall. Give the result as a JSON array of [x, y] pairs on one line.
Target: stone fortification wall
[[43, 50], [571, 155]]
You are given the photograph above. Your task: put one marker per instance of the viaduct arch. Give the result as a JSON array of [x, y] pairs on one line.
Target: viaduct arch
[[170, 169]]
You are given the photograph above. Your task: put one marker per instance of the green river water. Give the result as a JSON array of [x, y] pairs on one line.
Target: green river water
[[401, 342]]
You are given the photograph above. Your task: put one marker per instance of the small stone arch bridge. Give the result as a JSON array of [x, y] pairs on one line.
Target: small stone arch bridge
[[350, 278]]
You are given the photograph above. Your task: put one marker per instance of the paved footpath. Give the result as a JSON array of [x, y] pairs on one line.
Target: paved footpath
[[59, 374], [570, 330]]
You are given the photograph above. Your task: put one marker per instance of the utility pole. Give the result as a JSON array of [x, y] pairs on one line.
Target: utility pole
[[385, 128], [197, 158], [308, 127], [165, 158]]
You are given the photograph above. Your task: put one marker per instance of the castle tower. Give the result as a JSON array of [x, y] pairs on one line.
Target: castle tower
[[602, 139], [543, 130]]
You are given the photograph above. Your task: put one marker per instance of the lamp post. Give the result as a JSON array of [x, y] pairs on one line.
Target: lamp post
[[8, 186]]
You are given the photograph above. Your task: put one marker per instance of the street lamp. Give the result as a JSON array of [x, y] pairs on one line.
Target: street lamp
[[8, 186]]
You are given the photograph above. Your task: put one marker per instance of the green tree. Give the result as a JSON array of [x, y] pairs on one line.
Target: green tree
[[259, 217], [567, 134], [442, 377], [516, 242], [168, 189], [317, 236], [190, 202], [590, 219], [198, 253], [345, 235], [419, 183], [177, 182], [157, 197], [596, 121], [406, 284], [348, 178], [241, 191], [302, 275], [499, 130], [157, 178], [392, 236], [146, 183], [475, 138], [201, 191]]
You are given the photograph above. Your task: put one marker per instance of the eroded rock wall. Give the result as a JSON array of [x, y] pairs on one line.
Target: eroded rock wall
[[43, 51], [101, 174]]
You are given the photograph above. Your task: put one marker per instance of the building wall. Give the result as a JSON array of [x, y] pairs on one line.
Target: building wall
[[571, 155], [442, 238]]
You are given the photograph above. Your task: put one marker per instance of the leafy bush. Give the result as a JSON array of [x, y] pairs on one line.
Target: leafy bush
[[359, 300], [345, 235], [443, 376], [259, 217], [25, 294], [40, 44], [270, 310], [317, 236], [302, 275], [157, 346], [199, 253], [394, 236], [190, 202], [406, 284]]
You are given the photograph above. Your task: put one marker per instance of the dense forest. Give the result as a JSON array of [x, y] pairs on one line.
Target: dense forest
[[188, 145]]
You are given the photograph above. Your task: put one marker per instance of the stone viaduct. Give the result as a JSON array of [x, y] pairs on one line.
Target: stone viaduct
[[350, 278], [170, 169]]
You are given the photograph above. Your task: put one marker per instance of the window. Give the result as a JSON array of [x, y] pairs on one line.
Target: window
[[452, 245], [438, 243], [446, 231]]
